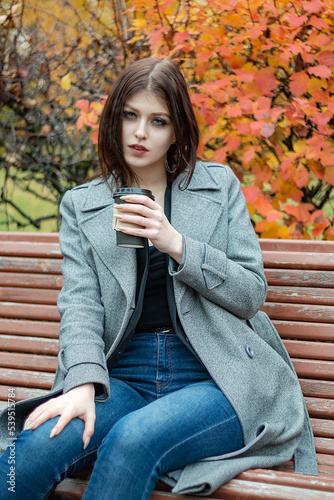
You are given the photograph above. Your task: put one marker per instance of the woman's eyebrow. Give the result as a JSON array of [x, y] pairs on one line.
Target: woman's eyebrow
[[152, 114]]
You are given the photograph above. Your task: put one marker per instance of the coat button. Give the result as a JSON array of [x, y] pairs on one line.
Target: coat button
[[249, 351]]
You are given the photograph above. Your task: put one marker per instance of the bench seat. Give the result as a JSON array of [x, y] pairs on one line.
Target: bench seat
[[300, 303]]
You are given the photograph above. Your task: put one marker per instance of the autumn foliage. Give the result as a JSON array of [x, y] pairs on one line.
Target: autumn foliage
[[261, 79]]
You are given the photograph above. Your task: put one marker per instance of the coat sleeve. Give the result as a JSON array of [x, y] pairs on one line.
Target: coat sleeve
[[81, 356], [233, 279]]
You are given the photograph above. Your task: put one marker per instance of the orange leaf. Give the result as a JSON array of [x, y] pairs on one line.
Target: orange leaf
[[329, 175], [327, 158], [95, 137], [298, 83], [318, 23], [232, 141], [301, 176], [263, 206]]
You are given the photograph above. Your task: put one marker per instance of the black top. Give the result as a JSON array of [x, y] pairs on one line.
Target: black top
[[155, 311]]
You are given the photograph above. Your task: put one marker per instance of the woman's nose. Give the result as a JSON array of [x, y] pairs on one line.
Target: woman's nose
[[141, 132]]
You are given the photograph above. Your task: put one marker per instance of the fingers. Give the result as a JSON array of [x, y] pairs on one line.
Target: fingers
[[40, 415], [89, 428], [140, 199]]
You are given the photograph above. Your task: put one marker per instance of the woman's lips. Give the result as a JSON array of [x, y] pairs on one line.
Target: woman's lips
[[137, 149]]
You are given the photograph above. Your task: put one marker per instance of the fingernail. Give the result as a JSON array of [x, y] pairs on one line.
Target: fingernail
[[28, 425], [86, 443], [53, 432]]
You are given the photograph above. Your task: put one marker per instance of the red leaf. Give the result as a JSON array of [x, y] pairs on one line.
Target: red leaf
[[232, 142], [313, 6], [266, 81], [326, 57], [250, 153], [267, 129], [83, 104], [297, 21], [318, 23], [243, 128], [298, 83], [181, 36], [251, 193], [233, 111], [244, 76], [320, 70]]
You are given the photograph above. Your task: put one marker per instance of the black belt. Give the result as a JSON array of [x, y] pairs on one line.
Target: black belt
[[160, 329]]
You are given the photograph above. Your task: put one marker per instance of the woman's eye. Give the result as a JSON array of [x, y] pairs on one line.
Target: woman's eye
[[160, 122], [129, 114]]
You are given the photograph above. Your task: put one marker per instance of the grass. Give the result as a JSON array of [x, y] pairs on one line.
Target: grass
[[29, 204]]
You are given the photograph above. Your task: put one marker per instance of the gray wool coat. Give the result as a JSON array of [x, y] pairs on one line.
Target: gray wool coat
[[218, 290]]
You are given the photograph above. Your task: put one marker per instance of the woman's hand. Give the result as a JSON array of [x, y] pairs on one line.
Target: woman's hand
[[153, 224], [78, 402]]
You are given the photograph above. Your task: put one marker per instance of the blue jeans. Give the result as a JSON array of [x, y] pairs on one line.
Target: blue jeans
[[164, 412]]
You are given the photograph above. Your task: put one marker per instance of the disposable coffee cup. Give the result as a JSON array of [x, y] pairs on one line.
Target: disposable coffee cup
[[122, 239]]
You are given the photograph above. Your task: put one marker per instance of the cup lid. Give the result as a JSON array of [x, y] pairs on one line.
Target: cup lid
[[131, 190]]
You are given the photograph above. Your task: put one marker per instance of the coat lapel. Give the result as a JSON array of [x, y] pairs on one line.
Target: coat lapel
[[195, 211], [97, 226]]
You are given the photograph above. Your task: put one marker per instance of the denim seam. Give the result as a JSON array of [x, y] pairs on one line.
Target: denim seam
[[170, 368], [64, 469], [185, 440]]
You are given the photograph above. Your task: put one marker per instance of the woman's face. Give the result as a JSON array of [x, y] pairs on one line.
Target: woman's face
[[147, 132]]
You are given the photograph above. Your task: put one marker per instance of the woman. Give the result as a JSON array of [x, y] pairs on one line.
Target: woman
[[166, 366]]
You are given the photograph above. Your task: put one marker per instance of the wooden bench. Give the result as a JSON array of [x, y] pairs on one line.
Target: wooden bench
[[300, 302]]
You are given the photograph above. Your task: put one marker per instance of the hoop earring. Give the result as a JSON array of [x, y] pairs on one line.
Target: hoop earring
[[167, 167]]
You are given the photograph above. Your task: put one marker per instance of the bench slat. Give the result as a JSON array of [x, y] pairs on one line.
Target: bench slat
[[29, 311], [317, 388], [29, 344], [285, 478], [314, 368], [288, 260], [247, 490], [310, 350], [293, 277], [20, 393], [29, 236], [25, 378], [28, 327], [29, 361], [35, 280], [305, 330], [304, 246], [323, 428], [28, 295], [324, 445], [318, 407], [299, 312], [300, 295], [30, 249], [30, 265]]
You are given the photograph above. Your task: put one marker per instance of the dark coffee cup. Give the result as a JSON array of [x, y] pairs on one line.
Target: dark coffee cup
[[122, 239]]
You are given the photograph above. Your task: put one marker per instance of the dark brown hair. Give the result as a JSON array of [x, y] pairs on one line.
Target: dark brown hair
[[165, 80]]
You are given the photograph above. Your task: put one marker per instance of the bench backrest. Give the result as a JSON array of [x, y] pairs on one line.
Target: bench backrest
[[300, 303]]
